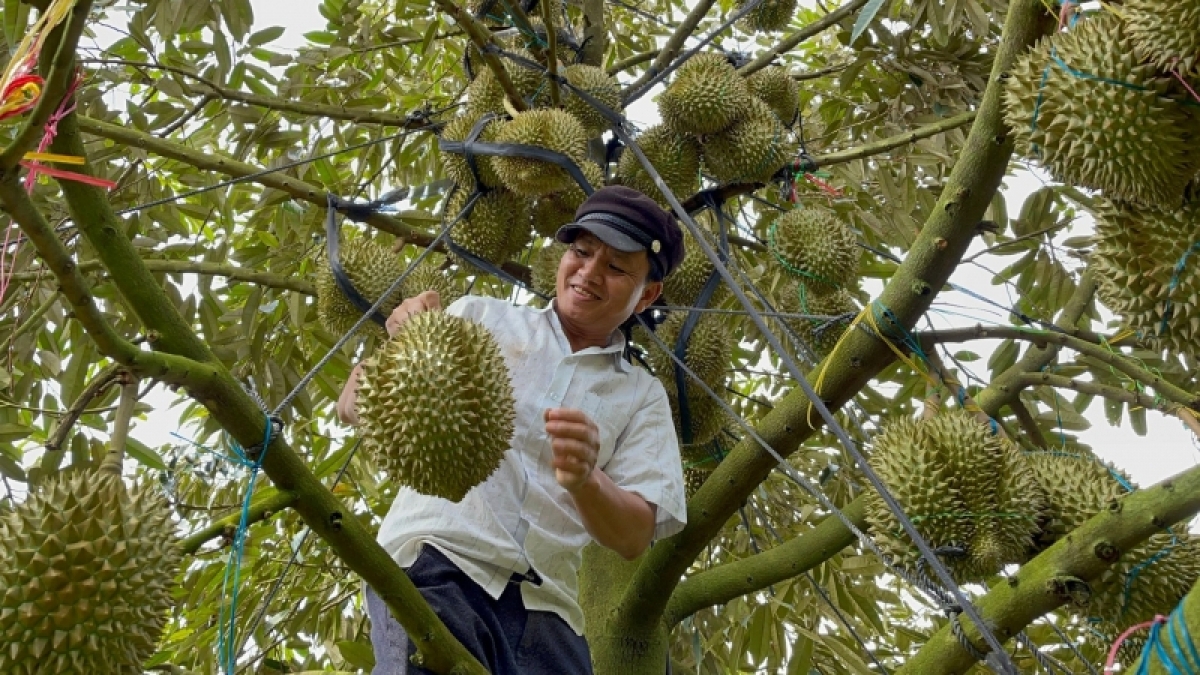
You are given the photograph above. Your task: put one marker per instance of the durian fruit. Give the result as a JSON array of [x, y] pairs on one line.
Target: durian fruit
[[599, 85], [816, 242], [751, 150], [1130, 141], [543, 269], [455, 164], [693, 478], [675, 156], [1136, 258], [768, 16], [372, 268], [776, 87], [707, 354], [496, 228], [1165, 33], [1147, 581], [683, 286], [437, 407], [1077, 486], [706, 97], [429, 276], [800, 297], [86, 574], [485, 94], [552, 211], [961, 486], [555, 130]]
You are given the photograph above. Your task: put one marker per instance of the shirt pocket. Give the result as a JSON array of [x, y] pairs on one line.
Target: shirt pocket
[[601, 413]]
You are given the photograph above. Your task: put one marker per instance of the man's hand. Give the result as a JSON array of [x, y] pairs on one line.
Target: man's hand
[[347, 403], [424, 302], [575, 439]]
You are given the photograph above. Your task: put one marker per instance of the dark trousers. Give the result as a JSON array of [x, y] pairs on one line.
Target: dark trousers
[[505, 637]]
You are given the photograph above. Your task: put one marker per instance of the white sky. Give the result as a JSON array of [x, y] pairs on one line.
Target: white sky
[[1166, 450]]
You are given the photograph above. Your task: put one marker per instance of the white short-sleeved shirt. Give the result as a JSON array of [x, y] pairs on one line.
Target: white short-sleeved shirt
[[520, 517]]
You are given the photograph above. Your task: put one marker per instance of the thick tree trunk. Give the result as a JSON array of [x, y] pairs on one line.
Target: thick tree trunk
[[615, 649]]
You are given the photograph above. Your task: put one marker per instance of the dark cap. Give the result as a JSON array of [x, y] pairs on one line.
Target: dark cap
[[629, 221]]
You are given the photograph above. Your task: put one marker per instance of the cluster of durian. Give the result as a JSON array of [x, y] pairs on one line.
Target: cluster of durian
[[1142, 274], [737, 128], [436, 405], [1112, 118], [86, 576], [965, 489], [685, 285], [707, 353], [818, 254]]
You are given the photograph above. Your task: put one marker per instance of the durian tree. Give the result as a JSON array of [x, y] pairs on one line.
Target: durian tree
[[167, 241]]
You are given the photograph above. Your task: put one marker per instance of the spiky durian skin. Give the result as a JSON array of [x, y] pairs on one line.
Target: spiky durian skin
[[1136, 262], [543, 270], [86, 574], [428, 276], [1077, 486], [751, 150], [485, 94], [436, 405], [776, 87], [706, 97], [707, 354], [673, 154], [961, 486], [816, 242], [496, 228], [555, 130], [693, 479], [1128, 141], [800, 297], [683, 286], [1166, 33], [552, 211], [372, 268], [599, 85], [456, 166], [768, 16], [1147, 581]]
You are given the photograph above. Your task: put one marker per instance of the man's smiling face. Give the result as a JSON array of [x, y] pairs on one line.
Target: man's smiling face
[[599, 287]]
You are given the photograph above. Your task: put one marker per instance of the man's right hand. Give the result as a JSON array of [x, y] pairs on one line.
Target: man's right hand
[[347, 403]]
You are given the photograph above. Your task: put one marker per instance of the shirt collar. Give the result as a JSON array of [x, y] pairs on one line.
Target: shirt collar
[[616, 340]]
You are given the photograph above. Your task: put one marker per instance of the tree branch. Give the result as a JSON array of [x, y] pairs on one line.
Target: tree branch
[[1037, 337], [595, 33], [792, 41], [671, 49], [1095, 389], [943, 241], [482, 37], [63, 40], [1028, 423], [626, 64], [268, 279], [260, 510], [52, 458], [947, 378], [796, 556], [335, 112], [120, 433], [1049, 580]]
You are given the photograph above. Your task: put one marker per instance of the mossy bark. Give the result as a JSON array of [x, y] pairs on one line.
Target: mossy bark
[[603, 578]]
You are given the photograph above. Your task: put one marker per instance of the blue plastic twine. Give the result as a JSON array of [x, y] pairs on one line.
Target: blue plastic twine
[[1183, 659], [1179, 267]]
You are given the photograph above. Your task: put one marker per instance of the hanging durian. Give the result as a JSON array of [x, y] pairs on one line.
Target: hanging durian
[[552, 211], [543, 269], [673, 154], [1147, 581], [1142, 274], [706, 97], [707, 354], [599, 85], [437, 406], [496, 228], [429, 276], [1165, 33], [816, 245], [372, 268], [1077, 486], [962, 487], [796, 296], [776, 87], [751, 150], [768, 16], [485, 94], [553, 129], [86, 576], [456, 165], [683, 286], [1130, 139]]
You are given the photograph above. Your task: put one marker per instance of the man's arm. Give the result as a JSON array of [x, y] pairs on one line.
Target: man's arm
[[618, 519]]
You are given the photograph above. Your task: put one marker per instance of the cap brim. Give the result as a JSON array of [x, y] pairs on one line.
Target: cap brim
[[604, 232]]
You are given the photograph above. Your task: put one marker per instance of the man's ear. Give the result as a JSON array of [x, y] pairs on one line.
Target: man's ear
[[650, 293]]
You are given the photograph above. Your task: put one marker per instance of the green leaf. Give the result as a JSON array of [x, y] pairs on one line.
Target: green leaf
[[1137, 420], [144, 455], [11, 469], [357, 654], [11, 433], [865, 17], [265, 35]]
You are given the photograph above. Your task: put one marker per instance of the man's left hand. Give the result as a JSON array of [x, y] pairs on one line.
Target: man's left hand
[[575, 439]]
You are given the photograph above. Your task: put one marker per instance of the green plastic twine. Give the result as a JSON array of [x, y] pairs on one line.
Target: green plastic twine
[[788, 266]]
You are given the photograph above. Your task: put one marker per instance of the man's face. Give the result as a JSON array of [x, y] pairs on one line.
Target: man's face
[[600, 287]]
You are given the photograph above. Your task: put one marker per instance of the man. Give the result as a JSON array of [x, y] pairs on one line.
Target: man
[[594, 456]]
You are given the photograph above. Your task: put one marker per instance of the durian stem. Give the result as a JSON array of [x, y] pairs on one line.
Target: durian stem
[[792, 41], [1028, 423], [636, 59], [267, 279], [61, 42], [959, 392], [297, 189], [482, 38], [1038, 587], [721, 584], [551, 52], [120, 433], [259, 510], [671, 49], [933, 404], [52, 458]]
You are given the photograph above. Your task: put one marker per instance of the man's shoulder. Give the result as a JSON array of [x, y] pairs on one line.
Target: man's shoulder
[[478, 306]]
